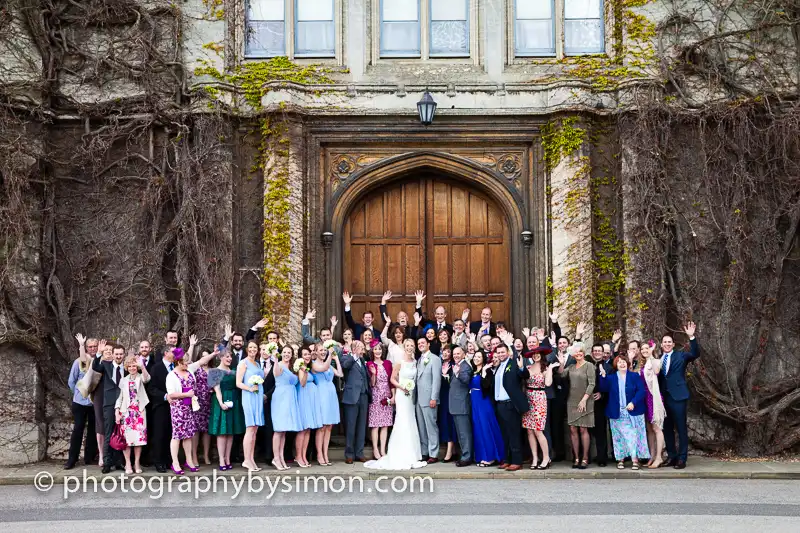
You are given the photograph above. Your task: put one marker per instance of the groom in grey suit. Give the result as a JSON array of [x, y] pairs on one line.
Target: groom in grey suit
[[461, 374], [429, 382]]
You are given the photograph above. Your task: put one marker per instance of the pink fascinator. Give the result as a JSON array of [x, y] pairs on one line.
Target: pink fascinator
[[177, 354]]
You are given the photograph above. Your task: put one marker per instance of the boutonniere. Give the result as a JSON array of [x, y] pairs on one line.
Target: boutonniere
[[508, 369], [426, 360]]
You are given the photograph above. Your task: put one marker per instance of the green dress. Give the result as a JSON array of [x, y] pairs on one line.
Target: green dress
[[231, 421]]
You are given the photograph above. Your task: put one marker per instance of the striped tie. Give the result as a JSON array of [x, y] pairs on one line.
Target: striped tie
[[665, 364]]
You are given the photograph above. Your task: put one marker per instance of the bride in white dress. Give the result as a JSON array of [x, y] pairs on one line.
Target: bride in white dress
[[404, 451]]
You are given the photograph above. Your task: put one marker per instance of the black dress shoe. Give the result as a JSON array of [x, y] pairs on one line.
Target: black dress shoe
[[671, 462], [106, 469], [69, 465], [447, 460], [680, 465], [463, 463], [161, 469]]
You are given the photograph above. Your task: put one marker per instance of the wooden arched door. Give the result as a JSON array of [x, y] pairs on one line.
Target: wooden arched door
[[427, 233]]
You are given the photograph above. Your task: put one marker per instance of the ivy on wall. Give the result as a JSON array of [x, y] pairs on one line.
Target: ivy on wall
[[251, 81]]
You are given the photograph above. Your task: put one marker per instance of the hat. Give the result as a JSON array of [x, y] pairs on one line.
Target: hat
[[177, 354]]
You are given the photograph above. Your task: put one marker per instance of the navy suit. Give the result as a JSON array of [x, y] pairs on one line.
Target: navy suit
[[634, 393], [359, 329], [676, 399], [509, 412]]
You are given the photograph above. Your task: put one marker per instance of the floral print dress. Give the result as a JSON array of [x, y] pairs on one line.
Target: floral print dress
[[183, 421], [134, 422], [536, 417], [379, 414], [202, 391]]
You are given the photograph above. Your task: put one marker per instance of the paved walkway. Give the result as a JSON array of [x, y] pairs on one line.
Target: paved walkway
[[698, 468]]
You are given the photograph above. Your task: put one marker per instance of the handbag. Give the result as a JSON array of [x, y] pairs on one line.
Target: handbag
[[88, 382], [117, 440], [195, 404], [187, 401]]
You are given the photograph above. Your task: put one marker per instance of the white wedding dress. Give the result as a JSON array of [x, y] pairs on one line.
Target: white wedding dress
[[403, 452]]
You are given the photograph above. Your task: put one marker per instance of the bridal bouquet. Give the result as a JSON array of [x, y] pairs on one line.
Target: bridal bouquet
[[272, 348], [300, 365], [330, 344], [408, 385], [255, 380]]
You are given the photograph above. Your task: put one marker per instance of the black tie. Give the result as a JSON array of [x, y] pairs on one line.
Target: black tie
[[118, 375], [264, 366]]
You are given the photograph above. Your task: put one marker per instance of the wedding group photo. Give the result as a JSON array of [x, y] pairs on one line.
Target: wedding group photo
[[418, 389]]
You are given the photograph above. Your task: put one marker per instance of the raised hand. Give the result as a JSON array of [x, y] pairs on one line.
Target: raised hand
[[554, 317], [334, 321], [526, 332], [81, 339], [387, 319], [602, 371], [473, 338], [373, 370], [417, 318], [690, 329], [616, 336], [101, 346], [386, 297], [553, 338], [580, 329], [465, 315], [261, 323], [540, 333], [228, 331], [311, 314], [346, 298], [419, 295], [192, 340]]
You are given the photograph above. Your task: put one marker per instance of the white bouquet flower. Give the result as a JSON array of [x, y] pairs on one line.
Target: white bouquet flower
[[255, 380], [299, 365], [330, 344], [408, 385], [272, 348]]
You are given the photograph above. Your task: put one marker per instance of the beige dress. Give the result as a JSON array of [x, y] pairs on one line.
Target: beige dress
[[581, 381]]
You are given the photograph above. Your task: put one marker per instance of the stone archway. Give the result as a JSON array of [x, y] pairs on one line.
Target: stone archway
[[466, 175]]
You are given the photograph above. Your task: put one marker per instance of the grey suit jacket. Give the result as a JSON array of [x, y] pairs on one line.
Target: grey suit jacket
[[355, 380], [429, 379], [461, 341], [459, 389]]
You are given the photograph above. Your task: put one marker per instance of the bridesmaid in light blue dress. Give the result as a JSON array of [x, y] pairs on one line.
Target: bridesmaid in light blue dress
[[252, 403], [284, 408], [325, 367], [308, 402]]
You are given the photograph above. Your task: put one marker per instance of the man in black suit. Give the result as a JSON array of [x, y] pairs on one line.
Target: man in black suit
[[170, 342], [113, 372], [238, 342], [600, 430], [367, 320], [160, 421], [481, 327], [510, 404], [146, 353]]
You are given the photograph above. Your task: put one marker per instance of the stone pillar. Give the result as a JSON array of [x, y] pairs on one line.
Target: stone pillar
[[633, 298], [571, 234]]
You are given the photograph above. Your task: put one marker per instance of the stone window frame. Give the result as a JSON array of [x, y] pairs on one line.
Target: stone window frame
[[290, 9], [515, 59], [425, 43]]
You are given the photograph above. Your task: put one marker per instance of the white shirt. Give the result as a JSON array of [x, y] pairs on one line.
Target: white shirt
[[114, 373], [500, 393]]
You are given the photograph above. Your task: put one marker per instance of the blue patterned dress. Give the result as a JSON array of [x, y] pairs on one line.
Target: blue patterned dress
[[628, 433]]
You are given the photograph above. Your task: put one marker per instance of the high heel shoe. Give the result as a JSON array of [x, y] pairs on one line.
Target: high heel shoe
[[176, 472], [584, 464], [576, 463], [545, 466]]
